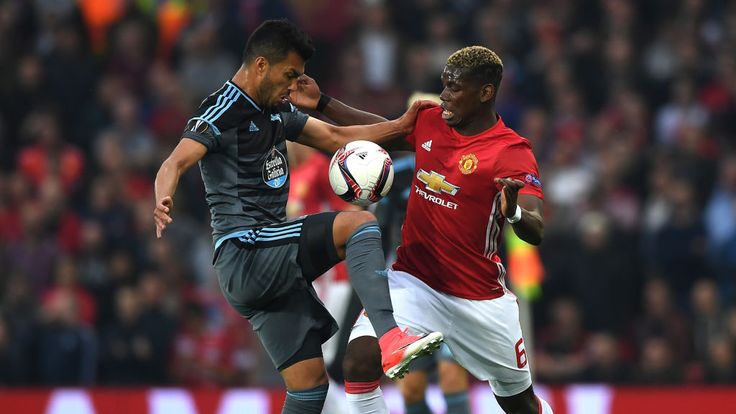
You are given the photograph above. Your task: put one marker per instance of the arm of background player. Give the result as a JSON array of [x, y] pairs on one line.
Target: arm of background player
[[181, 159], [329, 138]]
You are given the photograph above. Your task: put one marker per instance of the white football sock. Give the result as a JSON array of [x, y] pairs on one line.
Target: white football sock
[[367, 403]]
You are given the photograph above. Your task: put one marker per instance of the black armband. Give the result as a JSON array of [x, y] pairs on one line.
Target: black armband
[[323, 101]]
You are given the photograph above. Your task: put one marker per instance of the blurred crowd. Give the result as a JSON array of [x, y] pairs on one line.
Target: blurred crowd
[[630, 105]]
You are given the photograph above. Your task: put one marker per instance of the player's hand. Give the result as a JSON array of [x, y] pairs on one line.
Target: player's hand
[[407, 121], [162, 214], [509, 195], [307, 94]]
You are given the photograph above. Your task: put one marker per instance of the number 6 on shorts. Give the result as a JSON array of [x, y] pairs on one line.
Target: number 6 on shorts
[[520, 354]]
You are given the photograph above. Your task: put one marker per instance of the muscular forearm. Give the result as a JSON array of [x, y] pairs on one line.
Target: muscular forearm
[[166, 180], [346, 115], [379, 133], [530, 228]]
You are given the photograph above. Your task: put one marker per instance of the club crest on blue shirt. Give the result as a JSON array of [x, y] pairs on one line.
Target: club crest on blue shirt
[[275, 169]]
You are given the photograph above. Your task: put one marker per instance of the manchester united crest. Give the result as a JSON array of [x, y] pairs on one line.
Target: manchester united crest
[[468, 163]]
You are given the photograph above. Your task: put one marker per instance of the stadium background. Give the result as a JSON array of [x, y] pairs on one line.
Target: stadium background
[[630, 105]]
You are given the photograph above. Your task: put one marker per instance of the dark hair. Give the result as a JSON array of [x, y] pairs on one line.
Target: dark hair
[[274, 39]]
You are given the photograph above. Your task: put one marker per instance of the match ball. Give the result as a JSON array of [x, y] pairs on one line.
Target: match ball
[[361, 173]]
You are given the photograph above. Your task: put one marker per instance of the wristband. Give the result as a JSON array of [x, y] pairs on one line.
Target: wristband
[[516, 217], [323, 101]]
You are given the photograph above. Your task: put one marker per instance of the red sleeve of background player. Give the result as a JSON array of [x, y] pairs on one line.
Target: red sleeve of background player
[[517, 161]]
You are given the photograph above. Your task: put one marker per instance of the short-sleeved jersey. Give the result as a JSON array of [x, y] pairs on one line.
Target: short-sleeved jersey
[[245, 170], [453, 221]]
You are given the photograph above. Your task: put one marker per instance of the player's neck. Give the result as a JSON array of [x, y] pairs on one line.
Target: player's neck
[[479, 124], [245, 82]]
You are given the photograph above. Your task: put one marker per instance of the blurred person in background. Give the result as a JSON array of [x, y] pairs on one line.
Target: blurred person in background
[[126, 350], [720, 227], [604, 361], [200, 354], [265, 264], [20, 314], [49, 156], [67, 347], [9, 370], [159, 321], [452, 378], [720, 363], [560, 354], [709, 319], [658, 363], [660, 317]]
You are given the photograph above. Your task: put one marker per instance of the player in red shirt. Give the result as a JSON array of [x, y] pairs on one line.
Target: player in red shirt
[[472, 175]]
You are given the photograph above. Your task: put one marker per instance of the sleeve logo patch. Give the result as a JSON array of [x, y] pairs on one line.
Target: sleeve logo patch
[[533, 180], [199, 126]]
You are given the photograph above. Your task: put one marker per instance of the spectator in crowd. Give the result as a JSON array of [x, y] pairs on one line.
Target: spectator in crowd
[[67, 347]]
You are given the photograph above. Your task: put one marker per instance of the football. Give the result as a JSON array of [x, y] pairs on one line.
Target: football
[[361, 172]]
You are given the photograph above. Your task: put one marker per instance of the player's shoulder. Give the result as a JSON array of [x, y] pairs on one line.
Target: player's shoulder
[[512, 139], [226, 107], [431, 114]]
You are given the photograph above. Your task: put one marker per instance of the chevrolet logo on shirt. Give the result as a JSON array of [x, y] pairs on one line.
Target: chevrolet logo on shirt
[[435, 182]]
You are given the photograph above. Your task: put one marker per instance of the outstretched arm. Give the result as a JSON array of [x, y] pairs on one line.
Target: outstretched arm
[[347, 115], [181, 159], [329, 138], [530, 226], [309, 96]]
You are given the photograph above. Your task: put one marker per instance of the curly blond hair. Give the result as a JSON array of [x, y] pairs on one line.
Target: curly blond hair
[[479, 63], [472, 57]]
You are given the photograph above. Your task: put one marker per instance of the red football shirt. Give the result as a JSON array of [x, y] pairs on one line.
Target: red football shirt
[[453, 222]]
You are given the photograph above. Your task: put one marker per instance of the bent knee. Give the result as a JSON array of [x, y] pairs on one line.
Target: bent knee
[[355, 219], [362, 360]]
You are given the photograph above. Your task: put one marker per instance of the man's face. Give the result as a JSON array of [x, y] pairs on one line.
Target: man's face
[[280, 80], [461, 97]]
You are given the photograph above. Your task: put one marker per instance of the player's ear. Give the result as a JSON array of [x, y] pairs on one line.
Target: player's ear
[[487, 92], [261, 64]]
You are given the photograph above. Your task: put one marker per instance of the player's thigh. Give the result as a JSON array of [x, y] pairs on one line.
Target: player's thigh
[[317, 253], [293, 327], [487, 340], [252, 275], [416, 307]]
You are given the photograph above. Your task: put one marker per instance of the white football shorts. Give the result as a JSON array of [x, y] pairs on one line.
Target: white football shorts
[[483, 335]]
